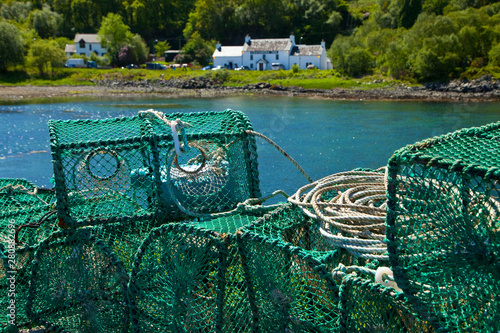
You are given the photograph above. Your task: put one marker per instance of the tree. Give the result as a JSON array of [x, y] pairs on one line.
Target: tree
[[214, 19], [161, 48], [83, 15], [16, 11], [198, 49], [45, 22], [45, 55], [140, 49], [495, 55], [11, 46], [114, 35], [395, 59], [410, 9]]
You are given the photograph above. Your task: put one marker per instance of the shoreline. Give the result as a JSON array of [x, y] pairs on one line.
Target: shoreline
[[14, 94]]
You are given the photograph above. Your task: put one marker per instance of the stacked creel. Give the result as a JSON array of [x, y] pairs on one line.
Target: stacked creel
[[134, 168], [444, 228], [289, 266], [26, 218]]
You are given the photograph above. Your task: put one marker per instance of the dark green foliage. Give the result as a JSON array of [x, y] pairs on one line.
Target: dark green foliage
[[11, 46], [199, 50], [45, 22], [495, 55], [434, 47], [350, 57], [410, 10], [423, 39], [16, 11]]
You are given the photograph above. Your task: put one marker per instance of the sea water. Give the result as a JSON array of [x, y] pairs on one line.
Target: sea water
[[323, 136]]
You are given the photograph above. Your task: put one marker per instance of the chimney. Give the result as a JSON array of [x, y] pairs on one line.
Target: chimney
[[247, 39], [218, 46], [292, 39], [323, 45]]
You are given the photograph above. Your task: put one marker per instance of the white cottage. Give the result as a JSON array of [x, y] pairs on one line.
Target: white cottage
[[86, 44], [307, 55], [227, 56], [273, 53]]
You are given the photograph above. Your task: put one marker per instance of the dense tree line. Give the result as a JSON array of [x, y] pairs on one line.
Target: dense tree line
[[431, 40], [421, 39]]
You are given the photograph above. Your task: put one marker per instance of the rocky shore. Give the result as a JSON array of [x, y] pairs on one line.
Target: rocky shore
[[483, 89]]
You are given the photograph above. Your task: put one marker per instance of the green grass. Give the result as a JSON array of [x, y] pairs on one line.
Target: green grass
[[308, 79]]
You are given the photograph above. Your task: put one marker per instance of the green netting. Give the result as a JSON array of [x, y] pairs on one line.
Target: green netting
[[174, 283], [15, 273], [366, 306], [25, 214], [77, 284], [189, 277], [443, 228], [120, 169], [22, 203], [287, 265], [247, 268]]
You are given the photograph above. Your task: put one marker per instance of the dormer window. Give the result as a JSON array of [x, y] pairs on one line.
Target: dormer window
[[82, 44]]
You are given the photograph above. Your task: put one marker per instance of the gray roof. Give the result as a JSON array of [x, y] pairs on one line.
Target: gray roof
[[70, 48], [309, 50], [88, 38], [277, 44]]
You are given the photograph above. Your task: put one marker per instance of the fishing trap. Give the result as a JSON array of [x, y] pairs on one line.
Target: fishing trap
[[139, 167]]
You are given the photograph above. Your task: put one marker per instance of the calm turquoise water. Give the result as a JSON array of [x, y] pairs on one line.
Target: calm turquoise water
[[323, 136]]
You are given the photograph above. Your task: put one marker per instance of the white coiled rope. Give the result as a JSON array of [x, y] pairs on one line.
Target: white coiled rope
[[351, 209]]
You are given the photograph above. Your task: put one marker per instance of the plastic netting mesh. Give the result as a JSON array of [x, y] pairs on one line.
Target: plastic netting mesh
[[366, 306], [77, 284], [173, 283], [25, 216], [119, 169], [245, 268], [294, 288], [443, 228]]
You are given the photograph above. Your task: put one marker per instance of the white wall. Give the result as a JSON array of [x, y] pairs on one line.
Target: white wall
[[89, 49], [250, 59], [224, 61]]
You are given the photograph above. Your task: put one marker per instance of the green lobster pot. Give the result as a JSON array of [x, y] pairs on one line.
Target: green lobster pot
[[443, 227], [114, 170]]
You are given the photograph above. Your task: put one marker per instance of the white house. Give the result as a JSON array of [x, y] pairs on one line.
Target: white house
[[86, 44], [262, 54], [310, 55], [228, 56]]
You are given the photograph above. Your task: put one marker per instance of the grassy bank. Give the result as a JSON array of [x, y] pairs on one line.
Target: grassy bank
[[309, 79]]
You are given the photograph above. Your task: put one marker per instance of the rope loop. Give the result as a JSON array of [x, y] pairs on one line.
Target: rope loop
[[176, 126]]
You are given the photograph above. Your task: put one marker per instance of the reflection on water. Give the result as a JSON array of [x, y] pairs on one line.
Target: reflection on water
[[323, 136]]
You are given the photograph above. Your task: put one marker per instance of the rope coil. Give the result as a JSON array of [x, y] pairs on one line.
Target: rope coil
[[351, 209]]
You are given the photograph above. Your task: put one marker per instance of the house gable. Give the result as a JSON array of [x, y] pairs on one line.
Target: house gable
[[86, 44]]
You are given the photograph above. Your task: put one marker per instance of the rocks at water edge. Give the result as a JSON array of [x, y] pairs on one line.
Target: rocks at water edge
[[484, 88]]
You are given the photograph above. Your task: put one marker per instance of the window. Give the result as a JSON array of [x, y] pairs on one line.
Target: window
[[251, 57], [82, 44], [264, 56], [277, 57], [90, 47], [251, 65]]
